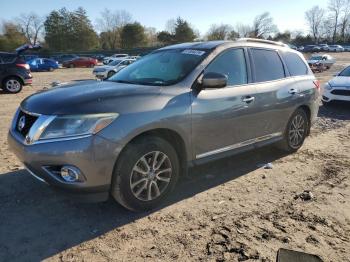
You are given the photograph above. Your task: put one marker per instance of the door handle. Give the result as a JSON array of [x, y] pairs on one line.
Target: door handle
[[248, 99], [293, 91]]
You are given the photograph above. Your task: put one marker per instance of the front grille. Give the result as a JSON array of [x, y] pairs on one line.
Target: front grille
[[341, 92], [27, 122]]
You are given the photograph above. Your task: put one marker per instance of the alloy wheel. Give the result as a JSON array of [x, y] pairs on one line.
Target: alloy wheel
[[13, 85], [150, 176], [297, 131]]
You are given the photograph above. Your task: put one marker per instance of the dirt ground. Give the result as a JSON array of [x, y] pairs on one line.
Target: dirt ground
[[229, 210]]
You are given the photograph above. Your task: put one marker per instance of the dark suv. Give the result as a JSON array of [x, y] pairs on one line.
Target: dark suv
[[133, 135], [14, 73]]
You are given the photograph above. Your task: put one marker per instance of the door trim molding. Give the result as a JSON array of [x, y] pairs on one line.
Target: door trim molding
[[239, 145]]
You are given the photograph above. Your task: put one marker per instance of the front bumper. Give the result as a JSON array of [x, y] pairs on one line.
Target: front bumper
[[93, 156], [327, 95], [100, 75]]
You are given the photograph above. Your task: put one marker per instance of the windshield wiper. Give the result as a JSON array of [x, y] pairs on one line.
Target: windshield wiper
[[124, 82]]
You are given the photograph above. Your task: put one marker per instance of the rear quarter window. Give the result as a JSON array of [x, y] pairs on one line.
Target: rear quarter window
[[8, 58], [267, 65], [295, 64]]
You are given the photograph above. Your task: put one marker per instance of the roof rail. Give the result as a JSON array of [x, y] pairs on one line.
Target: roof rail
[[257, 40]]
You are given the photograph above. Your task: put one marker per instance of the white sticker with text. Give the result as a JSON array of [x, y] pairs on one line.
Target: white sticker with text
[[193, 52]]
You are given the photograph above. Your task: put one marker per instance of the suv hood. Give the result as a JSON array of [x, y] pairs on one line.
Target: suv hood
[[340, 81], [90, 97]]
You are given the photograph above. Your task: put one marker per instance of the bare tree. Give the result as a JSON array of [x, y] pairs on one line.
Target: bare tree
[[263, 26], [344, 21], [335, 7], [314, 18], [170, 26], [31, 26], [110, 25], [243, 30], [219, 32]]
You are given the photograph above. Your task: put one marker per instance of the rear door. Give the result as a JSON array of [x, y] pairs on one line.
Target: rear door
[[224, 119], [2, 70], [276, 92]]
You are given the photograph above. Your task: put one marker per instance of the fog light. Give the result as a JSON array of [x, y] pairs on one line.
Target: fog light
[[70, 173]]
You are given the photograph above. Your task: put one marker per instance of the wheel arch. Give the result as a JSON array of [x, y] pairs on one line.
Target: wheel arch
[[12, 76], [307, 110], [172, 137]]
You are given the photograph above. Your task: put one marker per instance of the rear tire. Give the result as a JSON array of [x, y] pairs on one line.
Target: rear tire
[[12, 85], [143, 163], [296, 132]]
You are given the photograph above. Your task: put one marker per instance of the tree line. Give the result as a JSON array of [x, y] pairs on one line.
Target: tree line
[[65, 30], [330, 24]]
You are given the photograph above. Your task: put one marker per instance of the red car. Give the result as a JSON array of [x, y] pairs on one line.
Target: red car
[[80, 62]]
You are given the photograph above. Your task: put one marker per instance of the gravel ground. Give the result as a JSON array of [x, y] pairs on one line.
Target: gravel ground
[[228, 210]]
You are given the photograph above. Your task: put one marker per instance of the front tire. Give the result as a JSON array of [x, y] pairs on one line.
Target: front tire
[[110, 74], [12, 85], [296, 131], [145, 174]]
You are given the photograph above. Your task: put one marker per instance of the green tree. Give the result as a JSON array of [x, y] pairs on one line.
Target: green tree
[[84, 36], [133, 35], [165, 37], [183, 31], [69, 31], [12, 37]]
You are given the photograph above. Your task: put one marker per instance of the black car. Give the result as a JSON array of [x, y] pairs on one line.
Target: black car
[[14, 71]]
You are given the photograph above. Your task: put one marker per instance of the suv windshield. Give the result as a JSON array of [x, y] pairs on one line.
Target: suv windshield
[[161, 68]]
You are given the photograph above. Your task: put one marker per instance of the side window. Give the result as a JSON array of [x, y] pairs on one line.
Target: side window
[[8, 58], [267, 65], [295, 64], [232, 64]]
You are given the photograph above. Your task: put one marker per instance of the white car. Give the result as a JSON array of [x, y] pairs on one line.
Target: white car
[[336, 48], [109, 59], [338, 88], [325, 59], [104, 72]]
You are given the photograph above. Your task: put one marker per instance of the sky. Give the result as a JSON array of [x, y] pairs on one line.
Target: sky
[[287, 14]]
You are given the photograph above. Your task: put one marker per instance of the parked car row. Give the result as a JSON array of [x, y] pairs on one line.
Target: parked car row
[[323, 47]]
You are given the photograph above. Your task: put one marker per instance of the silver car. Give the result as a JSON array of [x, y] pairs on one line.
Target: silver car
[[135, 134], [104, 72]]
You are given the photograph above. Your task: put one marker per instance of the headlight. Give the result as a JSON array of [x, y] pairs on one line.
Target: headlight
[[77, 125], [327, 86]]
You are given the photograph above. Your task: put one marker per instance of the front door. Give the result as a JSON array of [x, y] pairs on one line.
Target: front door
[[224, 118]]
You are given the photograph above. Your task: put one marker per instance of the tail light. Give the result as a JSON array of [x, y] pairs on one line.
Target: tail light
[[317, 84], [25, 66]]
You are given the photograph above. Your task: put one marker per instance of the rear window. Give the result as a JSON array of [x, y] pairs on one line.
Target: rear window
[[295, 64], [267, 65], [8, 58]]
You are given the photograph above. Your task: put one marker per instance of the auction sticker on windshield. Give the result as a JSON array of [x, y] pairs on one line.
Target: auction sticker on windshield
[[193, 52]]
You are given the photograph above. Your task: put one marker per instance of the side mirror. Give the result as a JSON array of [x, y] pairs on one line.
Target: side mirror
[[214, 80]]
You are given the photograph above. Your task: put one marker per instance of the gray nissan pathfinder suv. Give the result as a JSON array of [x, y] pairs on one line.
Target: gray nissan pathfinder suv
[[133, 135]]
